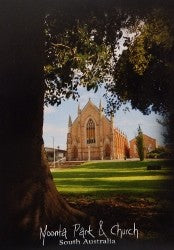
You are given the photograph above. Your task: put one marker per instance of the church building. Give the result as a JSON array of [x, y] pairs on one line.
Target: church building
[[92, 136], [150, 144]]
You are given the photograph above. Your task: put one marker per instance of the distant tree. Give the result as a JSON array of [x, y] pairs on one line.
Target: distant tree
[[140, 144]]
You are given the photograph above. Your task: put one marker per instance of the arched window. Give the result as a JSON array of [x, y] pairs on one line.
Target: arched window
[[90, 131]]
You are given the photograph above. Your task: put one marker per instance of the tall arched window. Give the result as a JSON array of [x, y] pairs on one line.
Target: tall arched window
[[90, 131]]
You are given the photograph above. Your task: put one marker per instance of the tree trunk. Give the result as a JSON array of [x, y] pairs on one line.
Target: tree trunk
[[29, 198]]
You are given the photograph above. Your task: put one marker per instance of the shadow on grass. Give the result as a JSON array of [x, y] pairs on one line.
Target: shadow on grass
[[124, 192], [94, 174], [101, 189]]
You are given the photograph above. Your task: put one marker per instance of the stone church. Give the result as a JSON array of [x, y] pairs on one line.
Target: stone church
[[92, 136]]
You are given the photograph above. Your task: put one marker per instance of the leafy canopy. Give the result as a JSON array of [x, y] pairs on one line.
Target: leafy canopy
[[87, 54], [143, 73]]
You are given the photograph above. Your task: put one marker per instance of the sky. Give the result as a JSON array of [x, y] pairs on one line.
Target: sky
[[56, 120]]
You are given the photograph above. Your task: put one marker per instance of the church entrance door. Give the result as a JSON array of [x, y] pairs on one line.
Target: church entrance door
[[107, 152], [74, 153]]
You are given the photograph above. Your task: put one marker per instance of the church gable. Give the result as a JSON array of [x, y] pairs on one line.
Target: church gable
[[106, 124], [90, 110], [91, 136]]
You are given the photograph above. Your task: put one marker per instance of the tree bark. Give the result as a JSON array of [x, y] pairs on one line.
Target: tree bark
[[29, 198]]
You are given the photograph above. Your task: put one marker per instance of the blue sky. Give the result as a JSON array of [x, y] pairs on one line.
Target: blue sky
[[56, 120]]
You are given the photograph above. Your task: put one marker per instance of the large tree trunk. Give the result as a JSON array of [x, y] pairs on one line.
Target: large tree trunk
[[29, 198]]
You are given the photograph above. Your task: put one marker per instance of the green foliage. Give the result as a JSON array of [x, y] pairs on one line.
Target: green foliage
[[144, 72], [84, 52], [140, 144], [159, 153], [78, 60], [80, 55], [153, 32]]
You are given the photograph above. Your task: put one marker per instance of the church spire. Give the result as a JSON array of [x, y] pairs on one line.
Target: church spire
[[89, 100], [112, 117], [100, 105], [69, 122], [79, 110]]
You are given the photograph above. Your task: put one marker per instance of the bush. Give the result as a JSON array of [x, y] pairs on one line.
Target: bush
[[159, 153], [153, 167], [152, 155]]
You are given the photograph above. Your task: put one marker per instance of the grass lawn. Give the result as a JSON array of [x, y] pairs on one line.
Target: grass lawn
[[99, 180], [123, 191]]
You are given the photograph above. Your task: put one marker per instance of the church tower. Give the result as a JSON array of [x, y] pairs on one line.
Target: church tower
[[112, 137], [79, 133], [69, 123], [101, 130], [69, 138]]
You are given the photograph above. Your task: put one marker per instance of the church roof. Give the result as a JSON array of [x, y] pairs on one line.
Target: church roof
[[145, 136], [90, 103]]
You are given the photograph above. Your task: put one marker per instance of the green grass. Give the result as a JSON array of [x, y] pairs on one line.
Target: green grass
[[98, 180]]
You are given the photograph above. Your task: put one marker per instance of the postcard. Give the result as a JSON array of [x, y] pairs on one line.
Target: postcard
[[87, 142]]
